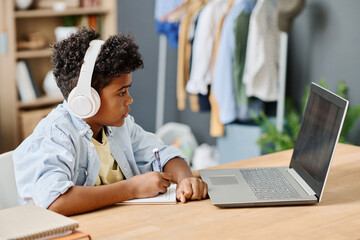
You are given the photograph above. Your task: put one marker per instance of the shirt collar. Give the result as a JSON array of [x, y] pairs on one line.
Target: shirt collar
[[79, 123]]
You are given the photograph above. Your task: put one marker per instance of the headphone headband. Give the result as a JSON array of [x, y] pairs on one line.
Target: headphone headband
[[83, 100]]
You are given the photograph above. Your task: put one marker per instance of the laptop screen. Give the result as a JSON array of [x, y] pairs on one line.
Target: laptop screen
[[319, 132]]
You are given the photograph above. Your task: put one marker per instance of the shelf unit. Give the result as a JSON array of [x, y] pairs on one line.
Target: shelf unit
[[15, 25]]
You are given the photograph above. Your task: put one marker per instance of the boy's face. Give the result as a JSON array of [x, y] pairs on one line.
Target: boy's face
[[115, 101]]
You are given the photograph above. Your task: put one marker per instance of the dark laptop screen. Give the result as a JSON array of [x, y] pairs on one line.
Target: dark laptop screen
[[319, 131]]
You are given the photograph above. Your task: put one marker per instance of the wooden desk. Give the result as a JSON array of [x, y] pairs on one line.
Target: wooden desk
[[336, 217]]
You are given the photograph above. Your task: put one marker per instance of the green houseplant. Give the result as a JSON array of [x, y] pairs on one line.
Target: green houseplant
[[272, 140]]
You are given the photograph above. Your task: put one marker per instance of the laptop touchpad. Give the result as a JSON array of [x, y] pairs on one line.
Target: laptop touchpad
[[223, 180]]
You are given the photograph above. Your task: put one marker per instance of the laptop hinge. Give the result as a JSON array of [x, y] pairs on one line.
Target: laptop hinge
[[301, 181]]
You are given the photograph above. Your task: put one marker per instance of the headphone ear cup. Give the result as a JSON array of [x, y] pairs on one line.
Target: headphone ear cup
[[83, 106]]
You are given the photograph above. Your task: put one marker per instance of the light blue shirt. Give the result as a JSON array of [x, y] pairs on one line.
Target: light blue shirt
[[223, 84], [60, 154]]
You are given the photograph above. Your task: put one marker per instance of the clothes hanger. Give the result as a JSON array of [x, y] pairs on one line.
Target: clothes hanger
[[176, 14]]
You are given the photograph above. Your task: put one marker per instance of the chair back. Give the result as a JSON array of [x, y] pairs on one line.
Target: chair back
[[8, 189]]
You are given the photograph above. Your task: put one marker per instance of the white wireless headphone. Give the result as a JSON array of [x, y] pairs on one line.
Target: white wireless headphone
[[84, 101]]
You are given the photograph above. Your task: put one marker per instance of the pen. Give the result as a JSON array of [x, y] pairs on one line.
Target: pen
[[157, 158]]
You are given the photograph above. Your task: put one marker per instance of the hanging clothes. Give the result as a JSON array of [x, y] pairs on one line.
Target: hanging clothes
[[196, 102], [209, 18], [217, 129], [223, 87], [213, 60], [262, 56], [218, 35], [241, 27], [184, 52]]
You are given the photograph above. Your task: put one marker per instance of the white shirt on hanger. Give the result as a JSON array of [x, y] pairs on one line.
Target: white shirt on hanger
[[209, 18], [262, 53]]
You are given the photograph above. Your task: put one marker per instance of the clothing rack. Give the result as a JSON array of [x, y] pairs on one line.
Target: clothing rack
[[161, 81], [280, 107], [160, 97]]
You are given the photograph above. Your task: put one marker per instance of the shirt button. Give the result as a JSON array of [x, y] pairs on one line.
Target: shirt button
[[89, 131], [91, 145], [86, 173], [81, 132]]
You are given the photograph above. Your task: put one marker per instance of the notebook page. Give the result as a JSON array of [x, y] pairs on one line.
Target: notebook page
[[164, 198]]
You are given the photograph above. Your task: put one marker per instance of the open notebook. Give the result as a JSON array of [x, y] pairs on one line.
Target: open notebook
[[164, 198]]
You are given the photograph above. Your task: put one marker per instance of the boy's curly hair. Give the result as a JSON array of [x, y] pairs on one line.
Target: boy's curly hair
[[119, 55]]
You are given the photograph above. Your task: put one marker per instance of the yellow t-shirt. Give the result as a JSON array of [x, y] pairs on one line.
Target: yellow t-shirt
[[110, 171]]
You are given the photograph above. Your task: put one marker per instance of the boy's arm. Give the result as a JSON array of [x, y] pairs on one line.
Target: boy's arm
[[79, 199], [189, 187]]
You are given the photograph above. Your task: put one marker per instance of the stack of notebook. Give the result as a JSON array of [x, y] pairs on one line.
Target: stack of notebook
[[33, 222]]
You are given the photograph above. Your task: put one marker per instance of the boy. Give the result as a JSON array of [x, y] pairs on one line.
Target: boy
[[73, 164]]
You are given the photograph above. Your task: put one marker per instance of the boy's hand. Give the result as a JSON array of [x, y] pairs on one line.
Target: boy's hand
[[150, 184], [191, 189]]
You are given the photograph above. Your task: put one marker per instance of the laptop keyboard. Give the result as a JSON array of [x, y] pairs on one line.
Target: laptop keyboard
[[269, 184]]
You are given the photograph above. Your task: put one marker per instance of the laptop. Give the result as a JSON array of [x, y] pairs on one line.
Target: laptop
[[304, 180]]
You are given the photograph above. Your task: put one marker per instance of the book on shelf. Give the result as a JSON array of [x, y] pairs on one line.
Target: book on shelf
[[32, 222], [27, 88], [169, 197], [89, 3], [99, 25], [93, 21]]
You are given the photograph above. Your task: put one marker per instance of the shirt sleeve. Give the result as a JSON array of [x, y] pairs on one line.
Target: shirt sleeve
[[144, 142], [44, 168]]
